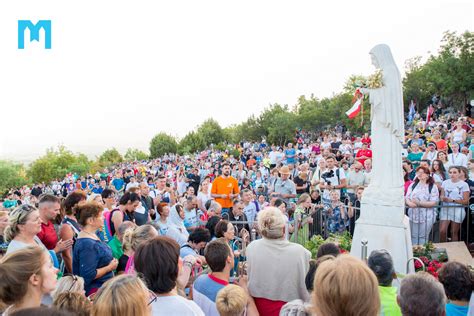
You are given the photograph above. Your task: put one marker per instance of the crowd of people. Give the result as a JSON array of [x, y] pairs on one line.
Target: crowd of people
[[200, 234]]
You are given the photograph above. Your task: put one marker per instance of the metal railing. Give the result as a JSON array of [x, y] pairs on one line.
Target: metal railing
[[440, 223], [426, 225]]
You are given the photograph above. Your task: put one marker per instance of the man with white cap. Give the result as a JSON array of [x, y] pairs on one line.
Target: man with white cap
[[431, 153]]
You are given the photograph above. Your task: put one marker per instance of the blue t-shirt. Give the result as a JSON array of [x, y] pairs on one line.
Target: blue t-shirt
[[88, 256], [191, 219], [456, 310], [290, 154], [98, 190], [205, 290], [186, 250], [118, 183]]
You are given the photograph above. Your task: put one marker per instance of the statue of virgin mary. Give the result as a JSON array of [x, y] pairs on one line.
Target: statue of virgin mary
[[387, 128]]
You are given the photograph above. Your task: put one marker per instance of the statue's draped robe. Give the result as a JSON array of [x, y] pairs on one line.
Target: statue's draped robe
[[387, 124]]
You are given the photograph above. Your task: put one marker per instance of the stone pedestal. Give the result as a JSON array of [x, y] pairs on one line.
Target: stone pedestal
[[383, 224]]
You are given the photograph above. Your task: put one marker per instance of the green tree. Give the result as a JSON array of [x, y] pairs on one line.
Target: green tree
[[81, 165], [450, 73], [191, 143], [211, 132], [110, 157], [417, 85], [455, 66], [55, 164], [11, 175], [135, 155], [161, 144], [281, 130]]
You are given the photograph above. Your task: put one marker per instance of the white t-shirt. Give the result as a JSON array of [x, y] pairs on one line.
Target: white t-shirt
[[334, 180], [305, 151], [279, 157], [458, 159], [437, 178], [326, 145], [131, 185], [203, 197], [454, 190], [345, 148], [175, 305], [273, 155]]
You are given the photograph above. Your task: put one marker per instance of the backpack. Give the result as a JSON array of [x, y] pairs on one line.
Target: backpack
[[107, 226], [430, 186], [257, 207]]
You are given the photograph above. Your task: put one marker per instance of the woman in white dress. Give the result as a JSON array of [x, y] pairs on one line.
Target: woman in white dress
[[421, 197], [438, 172], [454, 192], [203, 195], [459, 134]]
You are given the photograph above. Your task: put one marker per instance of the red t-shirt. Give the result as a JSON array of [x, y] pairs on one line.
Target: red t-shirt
[[268, 307], [362, 152], [48, 235], [367, 141]]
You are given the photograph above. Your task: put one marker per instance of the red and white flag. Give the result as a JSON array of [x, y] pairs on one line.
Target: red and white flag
[[356, 104]]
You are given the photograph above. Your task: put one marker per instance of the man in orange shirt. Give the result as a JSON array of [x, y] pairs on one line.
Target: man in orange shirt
[[225, 188], [251, 162]]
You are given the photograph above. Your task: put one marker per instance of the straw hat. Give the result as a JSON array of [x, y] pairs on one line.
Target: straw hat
[[284, 170]]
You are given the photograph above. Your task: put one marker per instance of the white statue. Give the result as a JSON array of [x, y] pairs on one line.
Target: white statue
[[382, 222], [387, 132]]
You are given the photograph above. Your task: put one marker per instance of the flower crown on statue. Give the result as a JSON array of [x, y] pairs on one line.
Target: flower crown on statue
[[373, 81]]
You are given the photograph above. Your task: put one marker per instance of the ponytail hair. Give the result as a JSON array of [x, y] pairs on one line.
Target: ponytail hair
[[129, 197], [134, 237], [15, 272]]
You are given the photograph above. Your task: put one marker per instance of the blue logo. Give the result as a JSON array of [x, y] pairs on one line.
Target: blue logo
[[34, 32]]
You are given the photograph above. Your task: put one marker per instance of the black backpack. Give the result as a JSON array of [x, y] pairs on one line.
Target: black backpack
[[430, 186]]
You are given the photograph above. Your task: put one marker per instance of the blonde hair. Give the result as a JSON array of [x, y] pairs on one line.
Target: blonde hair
[[93, 196], [231, 300], [69, 283], [271, 223], [303, 197], [18, 216], [122, 295], [16, 270], [345, 286], [73, 302], [134, 237]]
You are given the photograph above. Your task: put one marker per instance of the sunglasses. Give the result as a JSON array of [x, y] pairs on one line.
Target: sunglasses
[[152, 297], [74, 280], [24, 208]]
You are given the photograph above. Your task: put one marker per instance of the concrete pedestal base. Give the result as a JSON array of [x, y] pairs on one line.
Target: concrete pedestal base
[[391, 237]]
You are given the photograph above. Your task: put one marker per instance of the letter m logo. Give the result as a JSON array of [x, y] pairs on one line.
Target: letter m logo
[[34, 32]]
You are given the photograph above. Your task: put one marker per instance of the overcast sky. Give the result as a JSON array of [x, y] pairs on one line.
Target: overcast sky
[[121, 71]]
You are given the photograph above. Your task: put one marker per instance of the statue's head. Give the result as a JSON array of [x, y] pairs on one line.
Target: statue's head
[[381, 56]]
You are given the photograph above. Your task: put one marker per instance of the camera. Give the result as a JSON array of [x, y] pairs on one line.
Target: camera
[[328, 175]]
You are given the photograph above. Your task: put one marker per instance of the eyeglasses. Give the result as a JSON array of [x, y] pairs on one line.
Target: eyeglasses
[[152, 297]]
